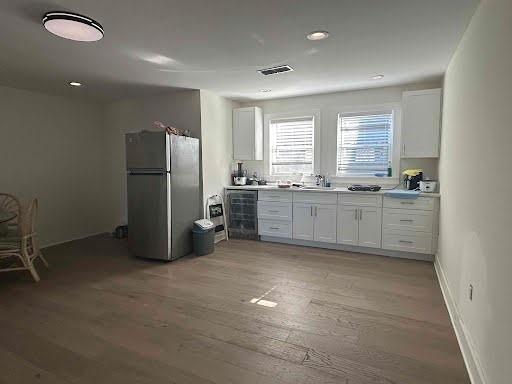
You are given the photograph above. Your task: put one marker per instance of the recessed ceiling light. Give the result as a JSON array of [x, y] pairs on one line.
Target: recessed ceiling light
[[75, 83], [317, 35], [378, 77], [73, 26], [265, 90]]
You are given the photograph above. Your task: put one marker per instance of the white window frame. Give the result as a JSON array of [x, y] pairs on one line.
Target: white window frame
[[267, 118], [396, 109]]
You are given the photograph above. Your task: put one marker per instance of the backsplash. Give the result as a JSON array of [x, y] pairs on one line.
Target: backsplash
[[429, 166]]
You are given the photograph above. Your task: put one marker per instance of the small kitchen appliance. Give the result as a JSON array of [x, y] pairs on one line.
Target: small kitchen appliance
[[240, 175], [413, 178], [428, 186]]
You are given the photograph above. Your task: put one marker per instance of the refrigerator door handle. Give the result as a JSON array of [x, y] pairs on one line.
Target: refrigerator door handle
[[147, 172]]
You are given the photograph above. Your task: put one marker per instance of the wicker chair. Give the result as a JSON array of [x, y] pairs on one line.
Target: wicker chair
[[10, 204], [21, 245]]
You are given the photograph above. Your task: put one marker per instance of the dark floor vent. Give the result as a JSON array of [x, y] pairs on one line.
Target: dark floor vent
[[276, 70]]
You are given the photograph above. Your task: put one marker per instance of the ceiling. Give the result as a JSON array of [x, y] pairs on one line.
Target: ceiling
[[155, 45]]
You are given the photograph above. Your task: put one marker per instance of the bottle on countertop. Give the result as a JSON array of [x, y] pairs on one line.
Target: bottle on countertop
[[390, 169]]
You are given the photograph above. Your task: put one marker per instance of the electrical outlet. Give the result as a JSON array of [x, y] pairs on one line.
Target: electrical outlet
[[470, 292]]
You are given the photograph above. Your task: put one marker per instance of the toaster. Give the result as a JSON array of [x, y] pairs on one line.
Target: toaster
[[428, 186]]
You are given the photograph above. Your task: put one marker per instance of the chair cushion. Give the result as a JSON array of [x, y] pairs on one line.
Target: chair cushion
[[11, 240]]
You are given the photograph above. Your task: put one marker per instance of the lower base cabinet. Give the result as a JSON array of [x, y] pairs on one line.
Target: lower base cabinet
[[407, 241], [303, 221], [360, 220], [325, 223], [348, 225], [276, 228], [315, 222], [360, 226]]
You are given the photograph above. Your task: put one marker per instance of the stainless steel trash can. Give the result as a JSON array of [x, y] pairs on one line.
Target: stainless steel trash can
[[203, 236]]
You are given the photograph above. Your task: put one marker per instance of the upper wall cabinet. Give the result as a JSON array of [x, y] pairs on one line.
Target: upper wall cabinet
[[248, 134], [421, 123]]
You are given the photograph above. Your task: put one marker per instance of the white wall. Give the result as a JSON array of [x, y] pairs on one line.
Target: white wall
[[53, 148], [476, 208], [180, 109], [330, 105], [216, 142]]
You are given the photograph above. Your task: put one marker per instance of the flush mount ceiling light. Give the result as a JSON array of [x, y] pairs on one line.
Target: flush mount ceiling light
[[75, 84], [265, 90], [377, 77], [73, 26], [317, 35]]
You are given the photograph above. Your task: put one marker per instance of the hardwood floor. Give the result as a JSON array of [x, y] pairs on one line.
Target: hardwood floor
[[101, 316]]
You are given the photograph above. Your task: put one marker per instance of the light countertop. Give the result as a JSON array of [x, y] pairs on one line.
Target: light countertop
[[297, 189]]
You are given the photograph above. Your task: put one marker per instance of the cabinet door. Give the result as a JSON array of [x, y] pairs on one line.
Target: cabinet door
[[421, 123], [370, 227], [303, 221], [325, 223], [348, 219], [243, 134]]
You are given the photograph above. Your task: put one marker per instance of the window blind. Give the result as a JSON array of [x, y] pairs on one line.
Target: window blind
[[364, 143], [291, 145]]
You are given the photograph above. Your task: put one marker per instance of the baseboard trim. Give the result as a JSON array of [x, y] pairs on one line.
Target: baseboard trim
[[73, 239], [475, 371], [349, 248]]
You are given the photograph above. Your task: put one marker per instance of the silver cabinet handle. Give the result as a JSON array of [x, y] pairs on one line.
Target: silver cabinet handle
[[316, 211], [403, 149], [360, 213], [355, 210], [273, 211], [274, 228], [407, 202], [406, 241], [407, 220], [311, 211]]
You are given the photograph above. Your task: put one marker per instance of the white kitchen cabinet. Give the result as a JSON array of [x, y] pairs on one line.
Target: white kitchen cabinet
[[360, 226], [325, 223], [248, 133], [275, 228], [346, 220], [314, 222], [303, 221], [348, 225], [370, 233], [421, 123]]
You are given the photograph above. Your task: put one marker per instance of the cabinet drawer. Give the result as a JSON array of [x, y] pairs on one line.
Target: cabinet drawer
[[277, 196], [407, 219], [315, 197], [423, 203], [408, 241], [275, 211], [361, 200], [275, 228]]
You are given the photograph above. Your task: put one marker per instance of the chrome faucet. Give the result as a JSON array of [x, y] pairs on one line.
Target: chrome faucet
[[320, 180]]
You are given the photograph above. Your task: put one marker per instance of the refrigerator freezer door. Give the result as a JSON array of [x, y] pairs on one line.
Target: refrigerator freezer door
[[147, 151], [185, 192], [149, 215]]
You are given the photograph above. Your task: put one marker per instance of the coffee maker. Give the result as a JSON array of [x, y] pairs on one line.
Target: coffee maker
[[412, 178]]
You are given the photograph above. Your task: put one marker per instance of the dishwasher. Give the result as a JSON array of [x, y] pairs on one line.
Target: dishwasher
[[242, 214]]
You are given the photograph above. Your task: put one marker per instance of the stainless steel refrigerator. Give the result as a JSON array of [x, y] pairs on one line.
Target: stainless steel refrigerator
[[163, 193]]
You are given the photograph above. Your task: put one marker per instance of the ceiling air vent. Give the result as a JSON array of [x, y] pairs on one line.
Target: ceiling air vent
[[276, 70]]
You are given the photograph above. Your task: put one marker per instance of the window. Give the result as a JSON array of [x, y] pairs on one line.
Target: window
[[292, 145], [365, 143]]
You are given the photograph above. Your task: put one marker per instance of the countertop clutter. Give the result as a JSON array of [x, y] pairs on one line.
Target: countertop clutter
[[316, 189]]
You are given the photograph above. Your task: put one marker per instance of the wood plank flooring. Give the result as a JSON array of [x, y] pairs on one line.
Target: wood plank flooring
[[102, 316]]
